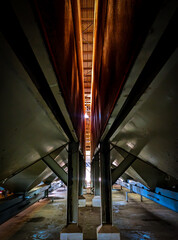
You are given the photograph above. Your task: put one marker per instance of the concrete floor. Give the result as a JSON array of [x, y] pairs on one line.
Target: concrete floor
[[136, 220]]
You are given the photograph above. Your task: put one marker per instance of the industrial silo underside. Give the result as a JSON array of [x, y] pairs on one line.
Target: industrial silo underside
[[89, 120]]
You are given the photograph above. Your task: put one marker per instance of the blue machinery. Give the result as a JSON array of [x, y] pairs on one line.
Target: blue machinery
[[162, 196], [15, 204]]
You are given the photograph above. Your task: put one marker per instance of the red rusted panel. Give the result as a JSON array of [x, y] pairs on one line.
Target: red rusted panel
[[121, 28], [59, 22]]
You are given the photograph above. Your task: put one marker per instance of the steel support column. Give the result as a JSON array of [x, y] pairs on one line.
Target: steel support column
[[96, 175], [73, 180], [81, 174], [106, 183], [92, 177]]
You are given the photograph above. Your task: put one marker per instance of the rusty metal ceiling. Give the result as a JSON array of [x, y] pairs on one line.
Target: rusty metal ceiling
[[87, 28]]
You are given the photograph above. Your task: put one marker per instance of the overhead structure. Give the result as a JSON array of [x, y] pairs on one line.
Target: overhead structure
[[87, 28], [128, 82], [42, 93], [88, 80]]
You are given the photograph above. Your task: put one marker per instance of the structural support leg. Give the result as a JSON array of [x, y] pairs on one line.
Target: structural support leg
[[55, 167], [82, 200], [106, 230], [96, 201], [72, 231], [123, 166], [92, 178]]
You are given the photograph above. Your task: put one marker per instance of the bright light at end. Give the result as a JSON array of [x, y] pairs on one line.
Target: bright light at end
[[86, 115], [88, 177], [88, 169]]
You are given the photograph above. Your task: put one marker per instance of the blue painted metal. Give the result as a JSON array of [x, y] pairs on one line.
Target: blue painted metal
[[88, 164], [9, 207], [164, 197], [167, 193], [137, 184]]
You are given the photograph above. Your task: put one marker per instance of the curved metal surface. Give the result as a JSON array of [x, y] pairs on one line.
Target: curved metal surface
[[28, 22], [34, 174], [153, 37], [28, 132], [59, 21], [150, 130], [141, 171], [120, 29], [22, 181]]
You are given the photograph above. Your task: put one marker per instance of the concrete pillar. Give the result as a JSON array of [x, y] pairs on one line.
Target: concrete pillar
[[82, 200], [96, 201], [72, 230], [106, 230]]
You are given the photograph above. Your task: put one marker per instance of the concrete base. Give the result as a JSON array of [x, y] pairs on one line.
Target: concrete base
[[108, 232], [81, 201], [71, 232], [96, 201]]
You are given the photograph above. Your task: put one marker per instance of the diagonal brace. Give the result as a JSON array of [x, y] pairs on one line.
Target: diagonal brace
[[56, 168], [123, 166]]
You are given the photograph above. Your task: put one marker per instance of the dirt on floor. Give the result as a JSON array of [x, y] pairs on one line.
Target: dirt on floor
[[136, 220]]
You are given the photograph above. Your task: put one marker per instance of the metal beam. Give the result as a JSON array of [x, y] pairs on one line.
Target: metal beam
[[54, 166], [87, 68], [161, 196], [53, 154], [87, 51], [123, 166], [164, 49], [87, 19], [13, 33], [87, 60], [121, 151], [155, 178], [87, 8], [96, 175], [87, 27], [106, 194], [73, 181], [81, 174]]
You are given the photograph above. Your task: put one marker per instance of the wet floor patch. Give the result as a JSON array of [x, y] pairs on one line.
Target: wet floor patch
[[137, 235], [36, 219], [136, 220], [40, 235]]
